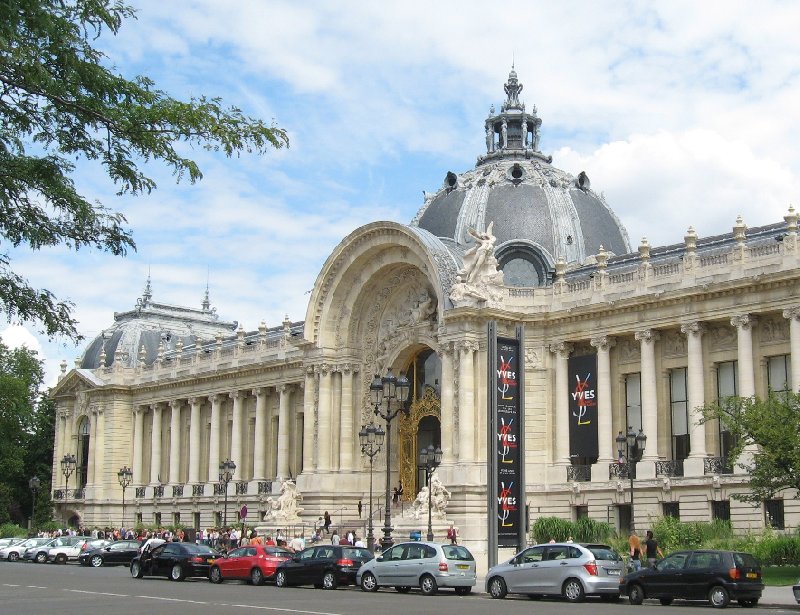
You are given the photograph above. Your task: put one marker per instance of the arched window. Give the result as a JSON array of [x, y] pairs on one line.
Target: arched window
[[83, 452], [427, 370], [524, 265]]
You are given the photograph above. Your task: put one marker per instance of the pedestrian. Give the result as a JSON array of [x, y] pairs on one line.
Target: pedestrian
[[452, 535], [652, 550], [360, 508], [326, 521], [335, 537], [635, 551]]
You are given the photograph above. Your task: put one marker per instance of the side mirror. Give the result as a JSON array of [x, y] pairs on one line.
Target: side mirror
[[379, 558]]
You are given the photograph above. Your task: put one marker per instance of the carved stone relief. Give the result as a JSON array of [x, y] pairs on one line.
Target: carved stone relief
[[628, 350], [674, 343], [773, 329], [720, 336]]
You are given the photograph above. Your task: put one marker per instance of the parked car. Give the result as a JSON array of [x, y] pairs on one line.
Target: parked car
[[427, 565], [15, 552], [570, 570], [8, 542], [716, 576], [796, 591], [120, 552], [255, 563], [176, 560], [325, 566], [62, 553]]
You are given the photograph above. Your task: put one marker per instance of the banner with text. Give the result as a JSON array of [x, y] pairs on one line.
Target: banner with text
[[582, 391], [509, 433]]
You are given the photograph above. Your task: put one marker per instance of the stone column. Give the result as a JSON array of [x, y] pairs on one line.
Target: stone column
[[695, 388], [448, 419], [348, 419], [213, 447], [744, 345], [175, 442], [138, 445], [236, 429], [793, 314], [562, 351], [324, 426], [98, 451], [194, 440], [466, 402], [283, 431], [93, 450], [155, 446], [647, 339], [259, 450], [308, 420], [605, 409]]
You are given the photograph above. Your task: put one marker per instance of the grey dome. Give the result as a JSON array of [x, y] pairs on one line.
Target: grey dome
[[540, 213]]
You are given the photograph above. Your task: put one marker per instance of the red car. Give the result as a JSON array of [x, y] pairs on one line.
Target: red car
[[254, 563]]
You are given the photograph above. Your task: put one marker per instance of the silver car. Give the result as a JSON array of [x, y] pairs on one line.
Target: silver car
[[427, 565], [15, 551], [559, 569]]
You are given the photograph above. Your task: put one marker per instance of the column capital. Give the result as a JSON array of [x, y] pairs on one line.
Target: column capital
[[603, 342], [693, 328], [156, 407], [310, 371], [743, 321], [216, 398], [236, 395], [467, 346], [258, 391], [285, 388], [175, 403], [562, 349], [647, 335], [195, 401], [323, 369], [792, 313]]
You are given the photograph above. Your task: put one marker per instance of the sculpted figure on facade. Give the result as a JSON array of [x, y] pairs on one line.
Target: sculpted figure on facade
[[439, 496], [285, 508], [479, 281]]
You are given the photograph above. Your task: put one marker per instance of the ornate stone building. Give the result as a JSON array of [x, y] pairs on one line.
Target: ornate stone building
[[172, 391]]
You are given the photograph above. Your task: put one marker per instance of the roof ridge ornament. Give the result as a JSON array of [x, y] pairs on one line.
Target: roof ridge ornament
[[512, 88]]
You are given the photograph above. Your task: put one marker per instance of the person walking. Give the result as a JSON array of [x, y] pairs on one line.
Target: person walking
[[452, 535], [326, 522], [635, 551], [652, 549]]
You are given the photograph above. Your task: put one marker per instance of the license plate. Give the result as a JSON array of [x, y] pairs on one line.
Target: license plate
[[613, 573], [752, 575], [462, 566]]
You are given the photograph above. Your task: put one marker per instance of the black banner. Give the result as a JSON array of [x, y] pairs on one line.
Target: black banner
[[582, 391], [508, 439]]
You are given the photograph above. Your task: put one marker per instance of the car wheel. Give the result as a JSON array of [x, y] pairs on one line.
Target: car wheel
[[428, 585], [41, 558], [403, 589], [13, 556], [463, 591], [665, 601], [256, 576], [61, 558], [177, 574], [136, 570], [635, 594], [497, 588], [748, 603], [96, 561], [280, 579], [718, 597], [573, 590], [329, 580], [215, 575], [369, 583]]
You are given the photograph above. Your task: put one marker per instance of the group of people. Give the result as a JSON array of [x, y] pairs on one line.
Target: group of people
[[652, 551]]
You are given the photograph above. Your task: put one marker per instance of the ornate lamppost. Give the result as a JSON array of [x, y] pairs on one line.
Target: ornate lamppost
[[125, 477], [34, 483], [430, 458], [226, 471], [371, 439], [630, 447], [68, 465], [389, 389]]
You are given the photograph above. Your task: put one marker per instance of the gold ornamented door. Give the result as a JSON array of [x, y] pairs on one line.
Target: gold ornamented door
[[429, 405]]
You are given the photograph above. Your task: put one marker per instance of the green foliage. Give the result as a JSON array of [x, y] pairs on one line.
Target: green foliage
[[770, 428], [60, 103], [673, 534], [12, 530], [582, 530]]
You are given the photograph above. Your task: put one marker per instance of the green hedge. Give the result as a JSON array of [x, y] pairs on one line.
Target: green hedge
[[12, 530], [545, 529]]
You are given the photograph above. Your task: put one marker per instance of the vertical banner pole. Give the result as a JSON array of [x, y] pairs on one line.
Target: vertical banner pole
[[491, 439], [522, 540]]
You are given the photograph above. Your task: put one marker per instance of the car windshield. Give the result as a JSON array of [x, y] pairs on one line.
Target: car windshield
[[457, 552], [603, 552]]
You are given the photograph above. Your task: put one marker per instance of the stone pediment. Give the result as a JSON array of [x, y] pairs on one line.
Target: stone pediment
[[75, 382]]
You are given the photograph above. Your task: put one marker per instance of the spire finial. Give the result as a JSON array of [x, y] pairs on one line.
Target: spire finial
[[206, 299], [147, 295]]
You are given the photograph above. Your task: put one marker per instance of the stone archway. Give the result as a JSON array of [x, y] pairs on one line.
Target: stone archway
[[427, 405]]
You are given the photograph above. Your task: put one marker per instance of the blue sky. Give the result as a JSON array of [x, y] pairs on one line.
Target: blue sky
[[681, 113]]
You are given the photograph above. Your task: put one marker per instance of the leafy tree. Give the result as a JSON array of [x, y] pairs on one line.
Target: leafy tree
[[773, 426], [59, 104]]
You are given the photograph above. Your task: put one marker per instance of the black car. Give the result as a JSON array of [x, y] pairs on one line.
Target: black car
[[325, 566], [715, 576], [120, 552], [176, 560]]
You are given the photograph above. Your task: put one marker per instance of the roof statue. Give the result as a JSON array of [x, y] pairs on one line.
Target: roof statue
[[479, 281]]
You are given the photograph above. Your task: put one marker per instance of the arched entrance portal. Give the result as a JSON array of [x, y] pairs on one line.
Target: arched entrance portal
[[423, 424]]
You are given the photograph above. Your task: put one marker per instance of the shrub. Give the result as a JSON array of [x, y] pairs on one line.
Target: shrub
[[12, 530], [583, 530]]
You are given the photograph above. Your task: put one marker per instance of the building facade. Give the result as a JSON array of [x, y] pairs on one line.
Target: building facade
[[171, 392]]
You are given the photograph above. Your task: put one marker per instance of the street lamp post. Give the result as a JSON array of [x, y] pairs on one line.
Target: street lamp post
[[68, 465], [226, 471], [371, 439], [125, 477], [389, 389], [631, 447], [430, 458], [34, 483]]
